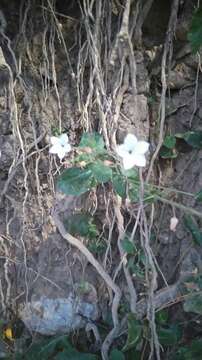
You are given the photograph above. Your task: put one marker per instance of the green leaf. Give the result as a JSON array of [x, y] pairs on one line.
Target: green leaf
[[46, 348], [191, 352], [193, 138], [194, 230], [131, 174], [134, 332], [162, 317], [135, 268], [133, 354], [57, 348], [193, 304], [199, 196], [81, 224], [195, 33], [196, 348], [128, 246], [169, 142], [96, 246], [169, 336], [74, 355], [166, 153], [92, 140], [116, 355], [119, 184], [88, 158], [75, 181], [101, 172], [134, 192]]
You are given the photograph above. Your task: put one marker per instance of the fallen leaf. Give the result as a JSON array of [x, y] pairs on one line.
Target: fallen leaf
[[8, 333]]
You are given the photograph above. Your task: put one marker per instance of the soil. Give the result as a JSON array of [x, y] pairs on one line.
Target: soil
[[47, 83]]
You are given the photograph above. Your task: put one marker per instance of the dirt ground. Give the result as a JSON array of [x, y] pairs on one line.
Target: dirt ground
[[65, 68]]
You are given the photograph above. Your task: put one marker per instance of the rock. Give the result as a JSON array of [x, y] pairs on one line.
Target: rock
[[180, 76], [60, 315], [60, 300]]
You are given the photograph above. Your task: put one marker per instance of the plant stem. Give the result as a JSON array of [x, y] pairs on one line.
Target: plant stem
[[179, 206]]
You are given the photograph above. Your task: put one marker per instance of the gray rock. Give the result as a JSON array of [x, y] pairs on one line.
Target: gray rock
[[56, 316]]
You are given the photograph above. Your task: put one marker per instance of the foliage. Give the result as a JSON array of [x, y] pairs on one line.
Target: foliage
[[194, 304], [198, 196], [116, 355], [193, 138], [193, 300], [128, 246], [168, 149], [169, 335], [191, 352], [93, 141], [134, 332], [195, 33], [119, 183], [81, 224], [93, 166], [57, 348], [76, 181], [193, 228]]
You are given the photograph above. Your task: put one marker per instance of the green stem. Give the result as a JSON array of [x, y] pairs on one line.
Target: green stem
[[179, 206]]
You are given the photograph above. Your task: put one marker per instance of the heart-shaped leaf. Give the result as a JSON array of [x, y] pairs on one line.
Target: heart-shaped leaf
[[167, 153], [92, 140], [76, 181], [169, 141], [116, 355], [101, 172], [193, 138]]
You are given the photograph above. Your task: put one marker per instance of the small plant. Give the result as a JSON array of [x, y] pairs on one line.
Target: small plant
[[91, 167], [169, 149]]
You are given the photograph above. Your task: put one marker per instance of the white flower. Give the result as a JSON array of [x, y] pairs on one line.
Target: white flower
[[132, 152], [60, 146]]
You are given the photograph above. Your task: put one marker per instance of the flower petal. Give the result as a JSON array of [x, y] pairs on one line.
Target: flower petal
[[139, 160], [130, 139], [54, 149], [121, 151], [54, 140], [142, 147], [128, 161], [63, 139], [61, 153], [67, 148], [130, 142]]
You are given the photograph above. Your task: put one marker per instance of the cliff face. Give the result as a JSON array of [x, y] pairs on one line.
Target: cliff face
[[110, 67]]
